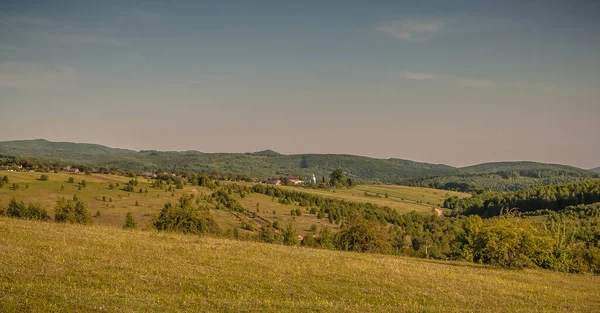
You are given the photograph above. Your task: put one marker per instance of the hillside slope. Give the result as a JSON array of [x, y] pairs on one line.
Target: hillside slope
[[494, 167], [268, 163], [597, 170], [68, 268], [260, 164]]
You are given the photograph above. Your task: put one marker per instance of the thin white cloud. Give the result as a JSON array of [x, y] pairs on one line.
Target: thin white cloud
[[33, 76], [412, 29], [418, 76], [476, 82], [86, 38]]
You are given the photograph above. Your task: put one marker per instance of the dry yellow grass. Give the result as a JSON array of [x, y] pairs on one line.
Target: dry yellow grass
[[112, 213], [48, 267], [402, 198]]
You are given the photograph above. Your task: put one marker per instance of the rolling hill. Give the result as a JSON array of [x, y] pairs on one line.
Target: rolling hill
[[49, 267], [269, 163], [113, 204], [597, 170], [494, 167]]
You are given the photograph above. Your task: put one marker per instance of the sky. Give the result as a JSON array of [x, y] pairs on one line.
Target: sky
[[453, 82]]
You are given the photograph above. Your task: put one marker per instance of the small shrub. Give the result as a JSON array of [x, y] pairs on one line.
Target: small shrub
[[130, 223], [267, 234], [309, 241], [44, 177], [290, 237], [276, 225], [248, 226], [326, 240], [71, 180]]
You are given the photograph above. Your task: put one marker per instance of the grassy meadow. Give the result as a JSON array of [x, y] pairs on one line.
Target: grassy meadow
[[53, 267], [402, 198], [114, 204]]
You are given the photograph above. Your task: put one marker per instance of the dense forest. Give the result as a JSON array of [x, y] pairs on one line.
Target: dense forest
[[504, 180], [554, 198]]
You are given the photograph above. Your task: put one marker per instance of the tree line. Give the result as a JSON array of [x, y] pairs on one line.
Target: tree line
[[545, 198]]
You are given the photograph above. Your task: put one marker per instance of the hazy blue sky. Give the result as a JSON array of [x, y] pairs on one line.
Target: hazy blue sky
[[456, 82]]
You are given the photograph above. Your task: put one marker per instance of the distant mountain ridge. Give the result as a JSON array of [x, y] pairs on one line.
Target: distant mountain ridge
[[597, 170], [494, 167], [266, 153], [264, 163]]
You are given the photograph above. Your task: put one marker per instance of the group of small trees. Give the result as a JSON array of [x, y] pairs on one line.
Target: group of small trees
[[130, 187], [72, 211], [18, 209], [4, 181], [186, 217], [338, 178]]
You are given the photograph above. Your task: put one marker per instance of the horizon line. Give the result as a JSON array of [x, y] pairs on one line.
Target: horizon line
[[304, 153]]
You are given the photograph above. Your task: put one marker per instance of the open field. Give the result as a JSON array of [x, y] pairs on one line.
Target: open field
[[112, 210], [402, 198], [71, 268], [116, 203]]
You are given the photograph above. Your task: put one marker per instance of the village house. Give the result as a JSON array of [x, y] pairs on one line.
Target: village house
[[274, 181], [70, 169], [148, 175], [294, 180]]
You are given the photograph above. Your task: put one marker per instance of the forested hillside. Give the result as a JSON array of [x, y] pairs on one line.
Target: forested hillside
[[259, 164], [505, 180], [504, 176], [494, 167], [531, 201]]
